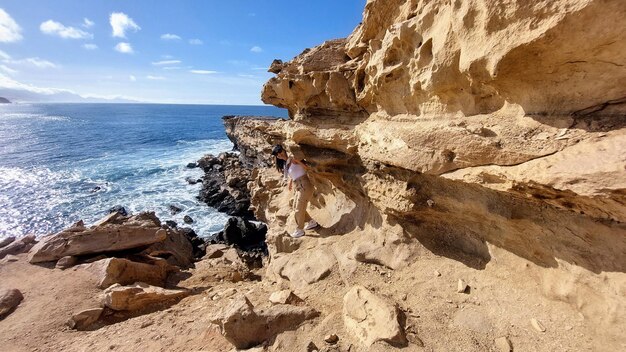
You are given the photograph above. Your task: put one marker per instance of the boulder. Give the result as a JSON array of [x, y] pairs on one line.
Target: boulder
[[136, 231], [276, 66], [119, 209], [124, 272], [8, 259], [9, 299], [245, 327], [215, 251], [7, 240], [85, 319], [187, 219], [66, 262], [285, 297], [304, 268], [174, 209], [176, 248], [18, 246], [138, 296], [371, 319]]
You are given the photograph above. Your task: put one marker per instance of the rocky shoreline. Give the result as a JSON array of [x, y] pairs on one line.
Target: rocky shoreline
[[470, 197]]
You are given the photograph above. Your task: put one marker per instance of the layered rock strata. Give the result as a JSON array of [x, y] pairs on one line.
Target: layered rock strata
[[482, 132]]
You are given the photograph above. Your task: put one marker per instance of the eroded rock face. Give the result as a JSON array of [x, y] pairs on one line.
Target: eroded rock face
[[113, 233], [370, 318], [245, 327], [457, 128]]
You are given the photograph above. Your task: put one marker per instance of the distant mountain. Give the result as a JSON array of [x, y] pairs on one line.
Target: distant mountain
[[4, 101], [55, 95]]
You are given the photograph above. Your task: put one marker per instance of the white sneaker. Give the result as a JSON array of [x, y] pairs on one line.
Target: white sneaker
[[311, 225], [298, 233]]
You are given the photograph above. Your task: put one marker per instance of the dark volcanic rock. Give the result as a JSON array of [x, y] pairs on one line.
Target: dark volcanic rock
[[171, 223], [192, 165], [187, 219], [119, 209], [224, 185], [192, 181], [174, 209], [243, 234]]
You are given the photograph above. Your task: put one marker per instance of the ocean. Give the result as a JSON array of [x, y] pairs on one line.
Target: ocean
[[60, 163]]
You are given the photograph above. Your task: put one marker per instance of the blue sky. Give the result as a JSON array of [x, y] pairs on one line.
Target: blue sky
[[191, 51]]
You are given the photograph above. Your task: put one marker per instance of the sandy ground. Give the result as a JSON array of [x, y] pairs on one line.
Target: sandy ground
[[500, 302]]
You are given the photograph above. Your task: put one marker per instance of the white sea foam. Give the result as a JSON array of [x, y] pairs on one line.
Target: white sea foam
[[42, 201]]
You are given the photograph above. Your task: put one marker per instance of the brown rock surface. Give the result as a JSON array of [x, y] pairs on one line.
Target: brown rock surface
[[113, 233], [6, 240], [21, 245], [85, 319], [138, 296], [371, 318], [245, 327], [121, 271], [9, 299]]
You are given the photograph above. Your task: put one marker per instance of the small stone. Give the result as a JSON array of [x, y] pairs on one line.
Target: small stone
[[537, 325], [568, 327], [187, 219], [404, 296], [461, 286], [503, 344], [430, 203], [414, 339], [174, 209], [437, 273], [66, 262], [311, 347], [332, 338], [84, 319]]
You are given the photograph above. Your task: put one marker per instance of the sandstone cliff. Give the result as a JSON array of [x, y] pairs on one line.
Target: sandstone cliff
[[488, 133]]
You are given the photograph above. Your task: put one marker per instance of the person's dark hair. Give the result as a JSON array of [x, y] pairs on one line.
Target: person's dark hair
[[280, 163]]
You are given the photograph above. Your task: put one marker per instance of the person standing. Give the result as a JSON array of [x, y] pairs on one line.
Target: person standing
[[296, 171]]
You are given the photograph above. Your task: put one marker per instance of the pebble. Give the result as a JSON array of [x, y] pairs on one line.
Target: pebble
[[537, 325], [404, 296], [461, 286], [503, 344], [332, 338], [437, 273]]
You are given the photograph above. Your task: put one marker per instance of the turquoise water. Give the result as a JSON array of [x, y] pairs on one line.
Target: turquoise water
[[63, 162]]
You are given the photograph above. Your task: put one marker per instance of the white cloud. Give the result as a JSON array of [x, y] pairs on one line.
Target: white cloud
[[195, 42], [120, 23], [8, 69], [203, 72], [10, 31], [155, 78], [51, 27], [124, 48], [170, 36], [90, 46], [40, 63], [132, 78], [256, 49], [30, 61], [166, 62], [172, 68], [87, 23]]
